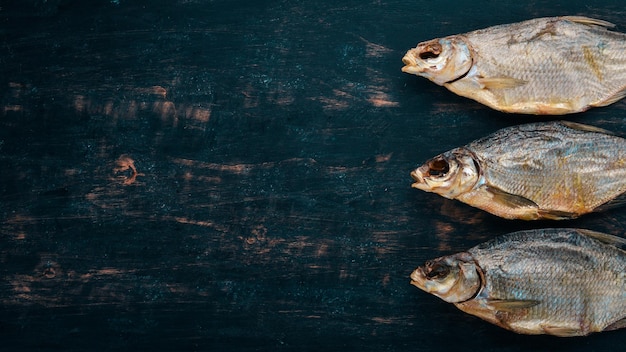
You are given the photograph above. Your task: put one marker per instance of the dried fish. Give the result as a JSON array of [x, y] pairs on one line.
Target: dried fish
[[544, 170], [555, 65], [563, 282]]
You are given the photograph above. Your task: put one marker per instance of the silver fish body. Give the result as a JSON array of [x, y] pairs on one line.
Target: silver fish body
[[563, 282], [554, 65], [544, 170]]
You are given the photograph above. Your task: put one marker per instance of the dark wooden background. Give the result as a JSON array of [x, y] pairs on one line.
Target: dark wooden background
[[271, 206]]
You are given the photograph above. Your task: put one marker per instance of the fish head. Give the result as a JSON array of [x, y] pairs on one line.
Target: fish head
[[454, 278], [440, 60], [449, 174]]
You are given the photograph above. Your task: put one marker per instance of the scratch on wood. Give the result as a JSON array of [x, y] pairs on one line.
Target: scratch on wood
[[125, 163], [373, 49]]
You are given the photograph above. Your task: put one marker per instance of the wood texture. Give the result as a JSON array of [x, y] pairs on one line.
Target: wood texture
[[205, 175]]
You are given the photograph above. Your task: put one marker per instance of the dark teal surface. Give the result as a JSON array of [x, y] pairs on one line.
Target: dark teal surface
[[273, 208]]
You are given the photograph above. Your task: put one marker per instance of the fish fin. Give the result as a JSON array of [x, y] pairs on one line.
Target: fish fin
[[503, 82], [510, 200], [589, 21], [557, 214], [620, 324], [509, 305], [563, 331], [613, 99], [515, 202], [618, 242], [585, 128]]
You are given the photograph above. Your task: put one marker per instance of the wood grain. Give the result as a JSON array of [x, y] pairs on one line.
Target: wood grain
[[199, 175]]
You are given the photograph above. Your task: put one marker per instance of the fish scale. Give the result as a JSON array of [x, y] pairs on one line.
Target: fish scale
[[567, 256], [596, 152]]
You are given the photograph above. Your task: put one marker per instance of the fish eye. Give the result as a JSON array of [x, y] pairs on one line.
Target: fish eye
[[438, 167], [437, 271], [431, 51], [428, 55]]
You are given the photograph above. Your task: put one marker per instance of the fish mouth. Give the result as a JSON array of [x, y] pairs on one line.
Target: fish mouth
[[411, 65], [414, 70], [419, 179], [417, 278]]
